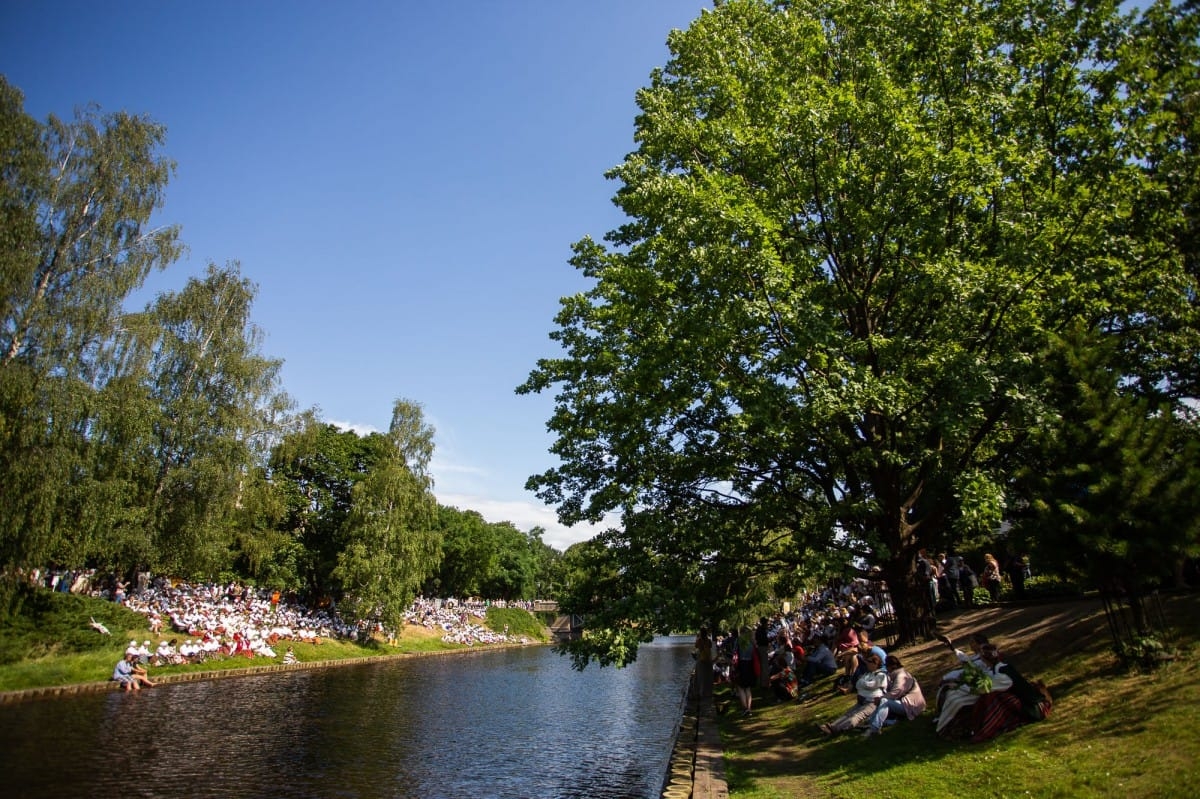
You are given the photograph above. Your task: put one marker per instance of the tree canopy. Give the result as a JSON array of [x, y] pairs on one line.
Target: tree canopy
[[77, 198], [852, 230]]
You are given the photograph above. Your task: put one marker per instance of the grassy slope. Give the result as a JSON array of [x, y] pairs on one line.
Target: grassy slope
[[50, 643], [1112, 733]]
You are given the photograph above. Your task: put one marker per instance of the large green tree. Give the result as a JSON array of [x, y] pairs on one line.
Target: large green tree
[[217, 406], [470, 554], [495, 560], [852, 227], [391, 543], [315, 469], [516, 573], [77, 198]]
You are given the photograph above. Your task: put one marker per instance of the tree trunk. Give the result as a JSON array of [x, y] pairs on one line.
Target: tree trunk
[[914, 618]]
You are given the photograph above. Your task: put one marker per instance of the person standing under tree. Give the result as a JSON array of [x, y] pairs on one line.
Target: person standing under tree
[[747, 668], [991, 576], [952, 570], [968, 582], [1015, 566], [704, 664], [927, 580], [762, 644]]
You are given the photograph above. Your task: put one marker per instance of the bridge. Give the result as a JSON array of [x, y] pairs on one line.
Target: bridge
[[565, 626]]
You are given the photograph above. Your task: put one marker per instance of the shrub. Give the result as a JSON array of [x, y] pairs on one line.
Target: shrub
[[1145, 651], [45, 622], [1046, 586]]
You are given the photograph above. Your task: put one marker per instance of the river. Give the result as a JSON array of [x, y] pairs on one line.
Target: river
[[515, 722]]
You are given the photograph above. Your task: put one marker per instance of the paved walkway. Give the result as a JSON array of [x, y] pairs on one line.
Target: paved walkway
[[697, 768]]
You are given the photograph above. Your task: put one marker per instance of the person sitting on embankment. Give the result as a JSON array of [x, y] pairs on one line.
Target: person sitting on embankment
[[130, 675]]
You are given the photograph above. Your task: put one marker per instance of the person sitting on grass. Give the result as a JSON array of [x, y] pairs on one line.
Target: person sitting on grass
[[845, 648], [819, 663], [782, 677], [166, 653], [953, 678], [903, 697], [130, 675], [870, 687], [976, 683], [856, 665], [1003, 710]]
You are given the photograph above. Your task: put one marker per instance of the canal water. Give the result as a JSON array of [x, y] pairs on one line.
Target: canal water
[[514, 723]]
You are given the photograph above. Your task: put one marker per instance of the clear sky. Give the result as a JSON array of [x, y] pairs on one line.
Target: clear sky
[[402, 180]]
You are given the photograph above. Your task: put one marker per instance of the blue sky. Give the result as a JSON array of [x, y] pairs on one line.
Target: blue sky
[[402, 180]]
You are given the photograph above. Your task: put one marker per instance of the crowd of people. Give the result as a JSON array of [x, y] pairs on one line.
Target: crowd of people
[[830, 637], [952, 580], [196, 622], [796, 648], [459, 619]]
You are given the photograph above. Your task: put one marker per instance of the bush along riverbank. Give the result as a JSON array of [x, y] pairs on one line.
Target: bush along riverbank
[[50, 644]]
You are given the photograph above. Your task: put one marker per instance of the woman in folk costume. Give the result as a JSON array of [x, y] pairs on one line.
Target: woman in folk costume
[[974, 683], [1001, 711], [953, 678]]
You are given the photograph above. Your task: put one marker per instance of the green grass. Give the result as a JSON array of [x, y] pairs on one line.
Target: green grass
[[46, 640], [517, 622], [1113, 732]]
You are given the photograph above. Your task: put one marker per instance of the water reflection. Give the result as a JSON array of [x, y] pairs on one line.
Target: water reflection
[[509, 723]]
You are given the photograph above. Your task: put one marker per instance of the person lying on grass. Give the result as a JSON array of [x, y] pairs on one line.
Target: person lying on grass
[[870, 687]]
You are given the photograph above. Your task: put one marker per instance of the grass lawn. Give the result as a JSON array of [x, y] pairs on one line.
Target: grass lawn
[[1113, 733]]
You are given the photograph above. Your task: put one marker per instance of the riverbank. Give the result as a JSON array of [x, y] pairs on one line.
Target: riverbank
[[52, 647], [1113, 733], [238, 670]]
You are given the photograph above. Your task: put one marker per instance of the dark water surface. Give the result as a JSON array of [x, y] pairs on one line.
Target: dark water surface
[[502, 723]]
